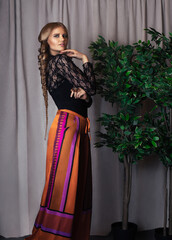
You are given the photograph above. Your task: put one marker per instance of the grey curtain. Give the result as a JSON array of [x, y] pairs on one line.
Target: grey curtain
[[22, 113]]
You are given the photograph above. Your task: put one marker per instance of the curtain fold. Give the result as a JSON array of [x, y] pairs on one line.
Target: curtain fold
[[22, 119]]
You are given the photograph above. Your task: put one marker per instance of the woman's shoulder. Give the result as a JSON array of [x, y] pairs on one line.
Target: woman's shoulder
[[59, 59]]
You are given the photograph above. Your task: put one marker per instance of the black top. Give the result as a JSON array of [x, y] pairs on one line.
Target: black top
[[62, 76]]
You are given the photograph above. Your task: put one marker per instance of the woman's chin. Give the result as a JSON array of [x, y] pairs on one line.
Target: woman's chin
[[62, 49]]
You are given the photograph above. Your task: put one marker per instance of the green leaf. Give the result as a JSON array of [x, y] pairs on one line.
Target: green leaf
[[118, 69], [128, 73], [111, 44], [127, 133], [123, 55], [122, 116], [169, 78], [138, 144], [127, 117], [152, 129], [154, 143], [147, 147], [128, 85], [122, 127], [155, 138]]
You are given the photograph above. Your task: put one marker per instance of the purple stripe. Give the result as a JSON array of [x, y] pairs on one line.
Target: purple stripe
[[52, 230], [56, 213], [69, 167], [62, 122]]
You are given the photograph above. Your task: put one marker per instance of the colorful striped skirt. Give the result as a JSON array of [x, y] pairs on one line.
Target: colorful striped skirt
[[65, 211]]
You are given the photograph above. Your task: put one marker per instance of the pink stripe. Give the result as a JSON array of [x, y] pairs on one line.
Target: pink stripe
[[63, 123], [69, 167], [56, 213]]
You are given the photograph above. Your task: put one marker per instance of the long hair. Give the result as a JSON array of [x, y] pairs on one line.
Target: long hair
[[43, 58]]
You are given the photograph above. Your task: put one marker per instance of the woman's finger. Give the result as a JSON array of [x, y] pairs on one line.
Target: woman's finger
[[78, 93], [71, 94], [73, 90], [75, 95], [68, 52]]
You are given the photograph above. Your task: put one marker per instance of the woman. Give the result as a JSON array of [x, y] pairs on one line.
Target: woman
[[65, 211]]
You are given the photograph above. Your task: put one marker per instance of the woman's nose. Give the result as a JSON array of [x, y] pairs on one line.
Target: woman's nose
[[62, 37]]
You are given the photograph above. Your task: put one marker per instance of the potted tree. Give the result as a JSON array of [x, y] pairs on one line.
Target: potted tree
[[161, 93], [161, 121], [126, 75]]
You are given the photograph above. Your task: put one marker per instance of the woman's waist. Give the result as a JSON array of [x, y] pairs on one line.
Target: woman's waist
[[84, 122], [80, 109], [73, 112]]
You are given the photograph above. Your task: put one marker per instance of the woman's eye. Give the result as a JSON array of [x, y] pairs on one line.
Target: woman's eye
[[58, 35]]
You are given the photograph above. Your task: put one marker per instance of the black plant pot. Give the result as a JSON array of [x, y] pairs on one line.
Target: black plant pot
[[120, 234], [159, 234]]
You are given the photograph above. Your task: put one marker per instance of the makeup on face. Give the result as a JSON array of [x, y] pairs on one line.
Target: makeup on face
[[57, 40]]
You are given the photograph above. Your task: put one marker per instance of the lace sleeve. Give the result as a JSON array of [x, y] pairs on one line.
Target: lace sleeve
[[67, 69]]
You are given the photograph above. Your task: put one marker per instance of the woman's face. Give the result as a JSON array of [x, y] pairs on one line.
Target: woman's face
[[57, 40]]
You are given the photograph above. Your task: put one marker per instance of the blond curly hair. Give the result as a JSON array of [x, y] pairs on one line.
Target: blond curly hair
[[43, 59]]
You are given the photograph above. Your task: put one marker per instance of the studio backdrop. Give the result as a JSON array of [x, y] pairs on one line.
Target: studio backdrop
[[22, 111]]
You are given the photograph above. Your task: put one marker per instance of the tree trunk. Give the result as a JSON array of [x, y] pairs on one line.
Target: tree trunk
[[170, 185], [126, 190], [170, 200], [165, 202]]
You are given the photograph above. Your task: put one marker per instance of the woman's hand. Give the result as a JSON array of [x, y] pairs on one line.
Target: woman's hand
[[79, 93], [75, 54]]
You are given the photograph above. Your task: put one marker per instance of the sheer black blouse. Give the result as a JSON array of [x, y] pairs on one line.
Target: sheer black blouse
[[62, 76]]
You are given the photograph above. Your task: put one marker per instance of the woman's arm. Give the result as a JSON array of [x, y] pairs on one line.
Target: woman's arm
[[79, 93], [66, 68], [76, 54]]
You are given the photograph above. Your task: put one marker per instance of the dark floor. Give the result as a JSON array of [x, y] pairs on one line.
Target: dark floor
[[145, 235]]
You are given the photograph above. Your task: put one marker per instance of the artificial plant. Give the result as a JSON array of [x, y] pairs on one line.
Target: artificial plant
[[160, 91], [126, 76]]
